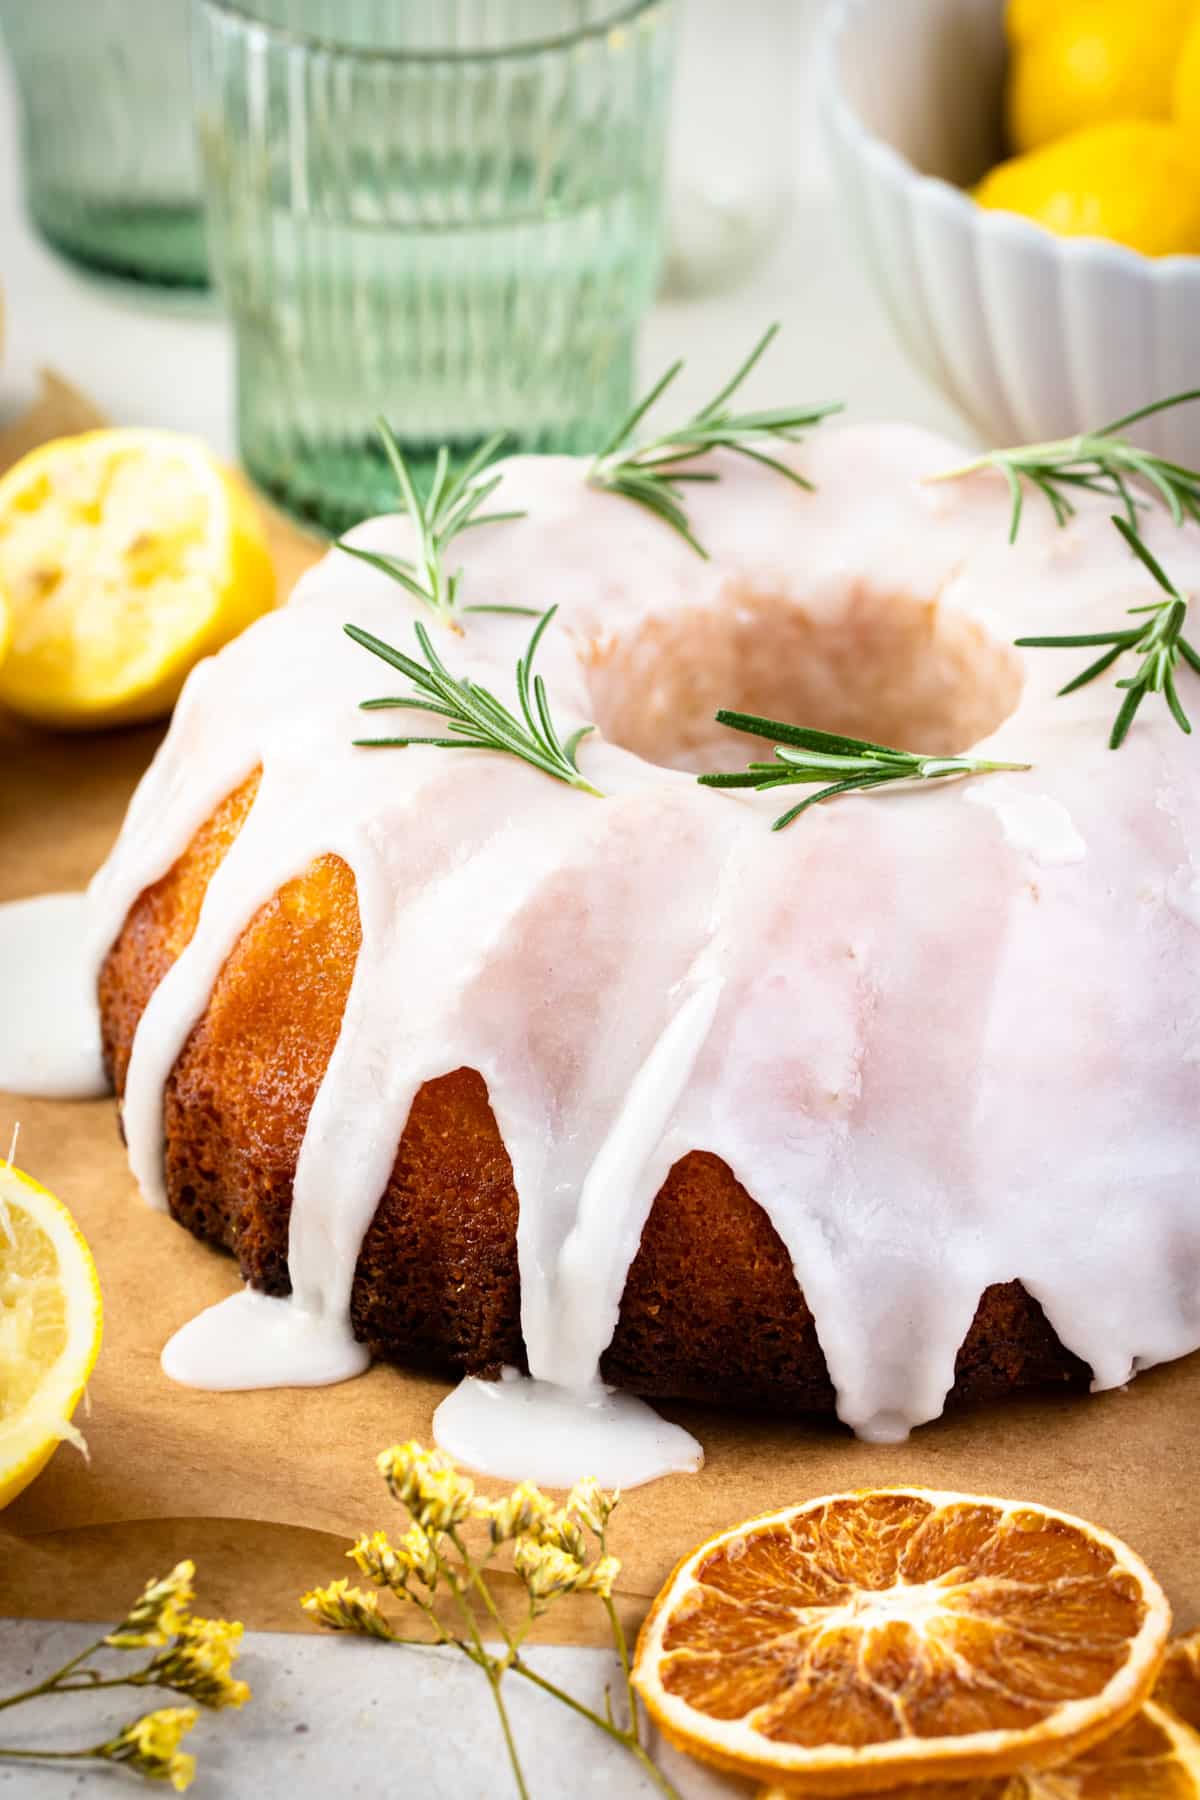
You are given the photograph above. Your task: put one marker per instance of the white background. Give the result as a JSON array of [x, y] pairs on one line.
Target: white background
[[347, 1718]]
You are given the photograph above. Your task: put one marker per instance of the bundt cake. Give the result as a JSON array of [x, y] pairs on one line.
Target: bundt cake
[[893, 1105]]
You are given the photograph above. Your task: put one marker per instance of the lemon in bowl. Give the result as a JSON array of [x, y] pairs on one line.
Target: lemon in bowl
[[1132, 181], [1077, 63], [1032, 333], [125, 557], [1185, 95]]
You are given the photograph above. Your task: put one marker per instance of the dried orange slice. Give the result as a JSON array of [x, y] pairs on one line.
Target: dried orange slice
[[1155, 1757], [893, 1636], [1179, 1684]]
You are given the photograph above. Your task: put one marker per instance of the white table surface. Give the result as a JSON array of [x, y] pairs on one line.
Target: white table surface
[[332, 1716]]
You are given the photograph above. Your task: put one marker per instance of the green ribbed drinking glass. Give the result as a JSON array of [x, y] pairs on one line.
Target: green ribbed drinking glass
[[447, 212], [110, 167]]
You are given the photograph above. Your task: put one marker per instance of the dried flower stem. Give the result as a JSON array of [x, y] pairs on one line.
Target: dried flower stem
[[56, 1683], [190, 1656], [9, 1752], [629, 1736], [552, 1557], [492, 1669]]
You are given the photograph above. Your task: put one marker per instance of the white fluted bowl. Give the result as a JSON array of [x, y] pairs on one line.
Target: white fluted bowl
[[1031, 335]]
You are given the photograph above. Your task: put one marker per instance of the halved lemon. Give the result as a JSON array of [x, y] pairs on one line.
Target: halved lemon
[[50, 1324], [4, 627], [125, 557], [865, 1641], [1155, 1757]]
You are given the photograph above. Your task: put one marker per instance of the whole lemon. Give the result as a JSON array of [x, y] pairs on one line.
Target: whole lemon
[[1187, 84], [1081, 62], [1024, 19], [1133, 182]]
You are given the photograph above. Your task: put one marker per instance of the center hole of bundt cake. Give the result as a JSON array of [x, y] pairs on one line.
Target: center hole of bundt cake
[[894, 667]]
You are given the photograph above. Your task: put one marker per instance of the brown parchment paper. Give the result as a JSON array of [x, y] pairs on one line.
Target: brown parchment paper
[[264, 1489]]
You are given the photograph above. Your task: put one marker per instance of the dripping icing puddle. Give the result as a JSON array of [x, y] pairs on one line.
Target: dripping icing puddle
[[518, 1427], [50, 1035], [251, 1340], [510, 1429]]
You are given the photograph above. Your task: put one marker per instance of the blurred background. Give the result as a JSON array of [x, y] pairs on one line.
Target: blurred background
[[268, 223], [739, 225], [483, 215]]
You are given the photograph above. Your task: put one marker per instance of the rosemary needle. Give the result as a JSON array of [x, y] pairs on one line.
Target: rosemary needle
[[1159, 641], [1098, 462], [653, 473], [842, 765], [451, 506], [476, 720]]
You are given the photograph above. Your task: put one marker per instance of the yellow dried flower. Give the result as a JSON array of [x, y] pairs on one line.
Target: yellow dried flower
[[546, 1570], [340, 1607], [391, 1566], [151, 1746], [159, 1614], [517, 1514], [562, 1532], [591, 1504], [199, 1663], [374, 1557], [419, 1550], [599, 1577], [425, 1481], [554, 1551], [401, 1468], [446, 1500]]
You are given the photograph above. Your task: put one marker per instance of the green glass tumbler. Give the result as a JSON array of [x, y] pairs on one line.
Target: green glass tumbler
[[112, 176], [447, 213]]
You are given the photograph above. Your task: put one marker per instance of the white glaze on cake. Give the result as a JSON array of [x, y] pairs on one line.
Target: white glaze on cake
[[945, 1037]]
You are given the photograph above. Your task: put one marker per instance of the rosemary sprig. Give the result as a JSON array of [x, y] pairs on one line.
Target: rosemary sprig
[[1098, 462], [451, 506], [653, 473], [843, 765], [1159, 642], [476, 719]]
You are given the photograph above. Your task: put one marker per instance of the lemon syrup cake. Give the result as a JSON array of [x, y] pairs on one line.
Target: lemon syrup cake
[[604, 1080]]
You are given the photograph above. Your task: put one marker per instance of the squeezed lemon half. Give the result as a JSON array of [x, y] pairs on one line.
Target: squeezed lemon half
[[125, 556]]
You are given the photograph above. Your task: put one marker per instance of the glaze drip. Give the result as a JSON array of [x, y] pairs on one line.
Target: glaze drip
[[49, 1025], [518, 1428], [945, 1038]]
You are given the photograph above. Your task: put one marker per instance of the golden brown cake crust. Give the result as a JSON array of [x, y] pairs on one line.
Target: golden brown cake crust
[[711, 1310]]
